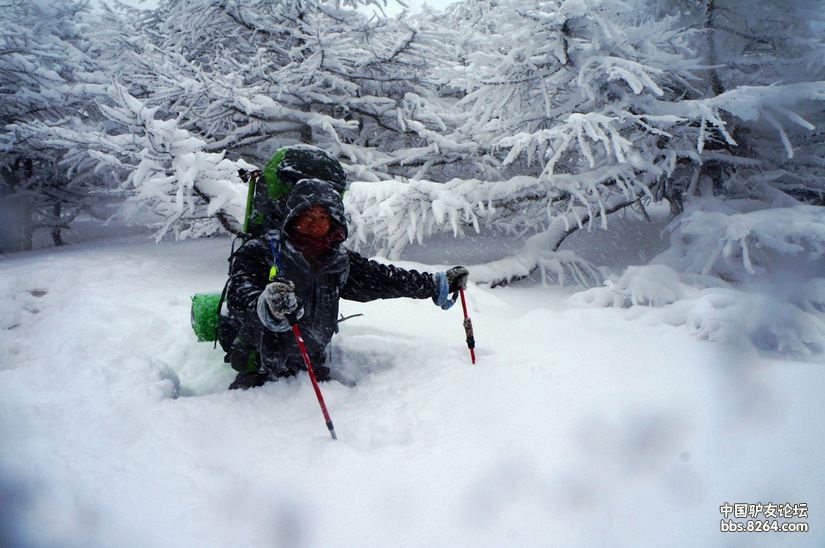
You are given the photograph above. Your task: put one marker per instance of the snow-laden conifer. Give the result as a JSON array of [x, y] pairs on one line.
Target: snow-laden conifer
[[51, 59]]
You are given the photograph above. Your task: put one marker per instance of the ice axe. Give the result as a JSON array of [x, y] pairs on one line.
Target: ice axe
[[293, 322]]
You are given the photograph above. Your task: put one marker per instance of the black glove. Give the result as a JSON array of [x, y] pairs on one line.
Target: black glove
[[457, 278]]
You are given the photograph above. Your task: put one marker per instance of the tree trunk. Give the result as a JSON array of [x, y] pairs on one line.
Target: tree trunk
[[306, 129], [26, 226], [57, 236], [715, 82]]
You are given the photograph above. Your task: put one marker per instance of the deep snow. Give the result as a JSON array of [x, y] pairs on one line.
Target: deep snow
[[578, 426]]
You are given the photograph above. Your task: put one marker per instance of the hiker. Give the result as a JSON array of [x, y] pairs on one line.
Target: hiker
[[266, 201], [303, 268]]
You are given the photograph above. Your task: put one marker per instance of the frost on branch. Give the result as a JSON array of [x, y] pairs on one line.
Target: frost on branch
[[788, 319], [189, 192], [386, 216], [752, 277], [744, 246]]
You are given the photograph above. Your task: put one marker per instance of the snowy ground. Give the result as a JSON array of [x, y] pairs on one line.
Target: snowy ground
[[577, 427]]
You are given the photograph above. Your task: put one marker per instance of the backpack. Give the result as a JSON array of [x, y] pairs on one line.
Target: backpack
[[265, 203], [268, 190]]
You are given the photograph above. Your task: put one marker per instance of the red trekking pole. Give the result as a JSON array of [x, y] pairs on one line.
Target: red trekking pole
[[468, 328], [293, 322]]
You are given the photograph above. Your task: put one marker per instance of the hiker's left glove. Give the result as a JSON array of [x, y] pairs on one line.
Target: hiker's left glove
[[447, 283], [276, 302]]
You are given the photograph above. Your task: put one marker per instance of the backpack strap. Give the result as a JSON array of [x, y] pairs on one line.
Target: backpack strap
[[231, 260], [275, 247]]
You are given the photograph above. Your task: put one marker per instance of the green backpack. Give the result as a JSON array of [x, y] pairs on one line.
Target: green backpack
[[265, 204]]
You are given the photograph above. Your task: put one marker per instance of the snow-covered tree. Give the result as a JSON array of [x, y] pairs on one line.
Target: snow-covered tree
[[567, 97], [245, 80], [172, 182], [763, 78], [50, 56], [602, 106], [249, 78]]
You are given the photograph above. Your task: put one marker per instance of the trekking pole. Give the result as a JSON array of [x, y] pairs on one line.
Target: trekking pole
[[293, 322], [468, 328]]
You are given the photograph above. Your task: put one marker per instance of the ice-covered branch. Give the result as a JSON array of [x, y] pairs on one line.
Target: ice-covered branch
[[387, 216], [742, 246]]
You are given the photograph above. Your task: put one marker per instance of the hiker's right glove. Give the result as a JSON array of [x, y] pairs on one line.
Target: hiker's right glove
[[276, 302], [447, 283], [442, 291], [457, 278]]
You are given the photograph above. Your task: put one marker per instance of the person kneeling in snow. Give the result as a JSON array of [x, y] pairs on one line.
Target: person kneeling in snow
[[301, 270]]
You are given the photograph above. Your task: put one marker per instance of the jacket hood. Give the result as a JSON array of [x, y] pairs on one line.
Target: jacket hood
[[308, 192]]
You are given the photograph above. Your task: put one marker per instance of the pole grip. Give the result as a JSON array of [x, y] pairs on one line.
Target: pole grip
[[468, 328], [468, 331]]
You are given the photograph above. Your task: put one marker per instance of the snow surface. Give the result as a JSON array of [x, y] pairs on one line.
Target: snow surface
[[578, 426]]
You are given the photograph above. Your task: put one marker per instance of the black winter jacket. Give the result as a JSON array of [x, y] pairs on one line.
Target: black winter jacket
[[319, 283]]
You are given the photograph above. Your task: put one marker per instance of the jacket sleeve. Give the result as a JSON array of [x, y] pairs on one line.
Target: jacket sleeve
[[247, 279], [369, 280]]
